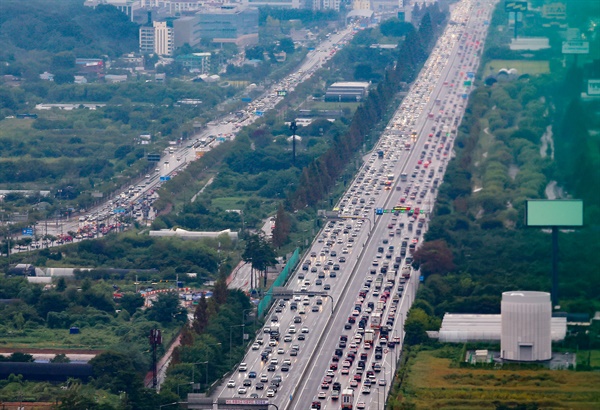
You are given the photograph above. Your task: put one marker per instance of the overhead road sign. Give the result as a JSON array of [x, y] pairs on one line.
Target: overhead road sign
[[154, 157], [282, 93], [576, 47], [515, 6], [165, 178], [259, 113]]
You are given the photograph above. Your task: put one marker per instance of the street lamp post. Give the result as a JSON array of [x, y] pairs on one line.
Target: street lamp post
[[183, 384], [204, 362]]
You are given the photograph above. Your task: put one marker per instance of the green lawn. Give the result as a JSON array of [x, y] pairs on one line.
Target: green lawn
[[433, 384], [523, 66], [231, 202]]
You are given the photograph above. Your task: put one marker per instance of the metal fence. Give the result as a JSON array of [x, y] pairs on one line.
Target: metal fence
[[264, 304]]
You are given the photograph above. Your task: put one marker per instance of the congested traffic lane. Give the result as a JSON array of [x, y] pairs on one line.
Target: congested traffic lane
[[321, 364]]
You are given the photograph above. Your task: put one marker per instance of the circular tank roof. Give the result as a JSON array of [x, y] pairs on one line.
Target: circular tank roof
[[525, 296]]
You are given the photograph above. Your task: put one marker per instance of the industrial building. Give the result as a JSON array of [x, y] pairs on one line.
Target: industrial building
[[228, 24], [347, 91], [525, 327]]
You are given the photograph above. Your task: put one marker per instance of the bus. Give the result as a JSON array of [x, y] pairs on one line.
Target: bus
[[347, 399]]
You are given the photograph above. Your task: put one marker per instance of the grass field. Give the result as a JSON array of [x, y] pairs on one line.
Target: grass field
[[433, 384], [231, 202], [89, 338], [523, 66]]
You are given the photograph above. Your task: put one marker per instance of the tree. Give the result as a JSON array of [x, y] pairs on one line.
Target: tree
[[286, 44], [115, 371], [60, 358], [435, 257], [61, 284], [282, 228], [201, 315], [166, 309], [131, 302]]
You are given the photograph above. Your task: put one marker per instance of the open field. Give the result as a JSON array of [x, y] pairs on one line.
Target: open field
[[523, 66], [433, 384]]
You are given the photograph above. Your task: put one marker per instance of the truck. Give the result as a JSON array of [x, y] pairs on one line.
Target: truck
[[391, 277], [378, 282], [347, 399], [376, 320], [406, 271], [274, 332], [369, 337]]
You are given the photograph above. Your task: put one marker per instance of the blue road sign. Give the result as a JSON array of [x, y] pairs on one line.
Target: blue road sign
[[421, 278], [119, 211], [259, 113], [27, 231], [470, 74], [378, 211], [165, 178]]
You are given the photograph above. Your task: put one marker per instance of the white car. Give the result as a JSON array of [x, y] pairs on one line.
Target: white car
[[255, 346], [243, 367], [270, 393], [231, 383], [242, 390]]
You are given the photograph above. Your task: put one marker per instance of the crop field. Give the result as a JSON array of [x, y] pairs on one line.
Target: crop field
[[433, 384], [522, 66]]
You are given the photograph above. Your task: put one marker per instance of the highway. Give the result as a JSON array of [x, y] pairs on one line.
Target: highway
[[415, 149], [175, 158]]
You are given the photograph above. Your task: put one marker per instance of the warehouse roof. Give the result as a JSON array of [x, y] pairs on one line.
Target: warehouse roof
[[465, 327]]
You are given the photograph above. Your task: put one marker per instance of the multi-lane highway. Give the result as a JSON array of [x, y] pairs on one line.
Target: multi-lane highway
[[138, 198], [368, 249]]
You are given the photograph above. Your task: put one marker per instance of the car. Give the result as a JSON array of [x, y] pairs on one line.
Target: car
[[322, 395], [285, 368], [252, 375], [247, 382], [271, 368], [287, 338], [270, 393], [255, 346], [254, 396], [287, 361], [242, 390], [305, 329], [326, 286], [361, 405], [382, 382], [259, 386], [366, 390], [301, 336], [264, 378], [231, 383]]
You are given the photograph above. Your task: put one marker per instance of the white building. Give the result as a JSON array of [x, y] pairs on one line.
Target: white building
[[157, 39]]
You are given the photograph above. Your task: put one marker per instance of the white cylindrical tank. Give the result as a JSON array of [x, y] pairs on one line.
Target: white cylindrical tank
[[526, 332]]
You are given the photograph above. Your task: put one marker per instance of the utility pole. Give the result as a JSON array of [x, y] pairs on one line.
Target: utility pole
[[155, 340]]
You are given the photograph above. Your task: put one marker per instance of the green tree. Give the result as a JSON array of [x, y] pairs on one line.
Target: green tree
[[131, 302], [201, 315], [116, 372], [166, 309], [282, 228]]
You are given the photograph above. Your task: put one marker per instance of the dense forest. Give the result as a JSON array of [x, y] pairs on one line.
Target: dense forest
[[33, 32]]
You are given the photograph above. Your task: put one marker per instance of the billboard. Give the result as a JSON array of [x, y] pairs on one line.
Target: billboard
[[554, 11], [545, 212], [518, 6], [593, 87], [575, 47]]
